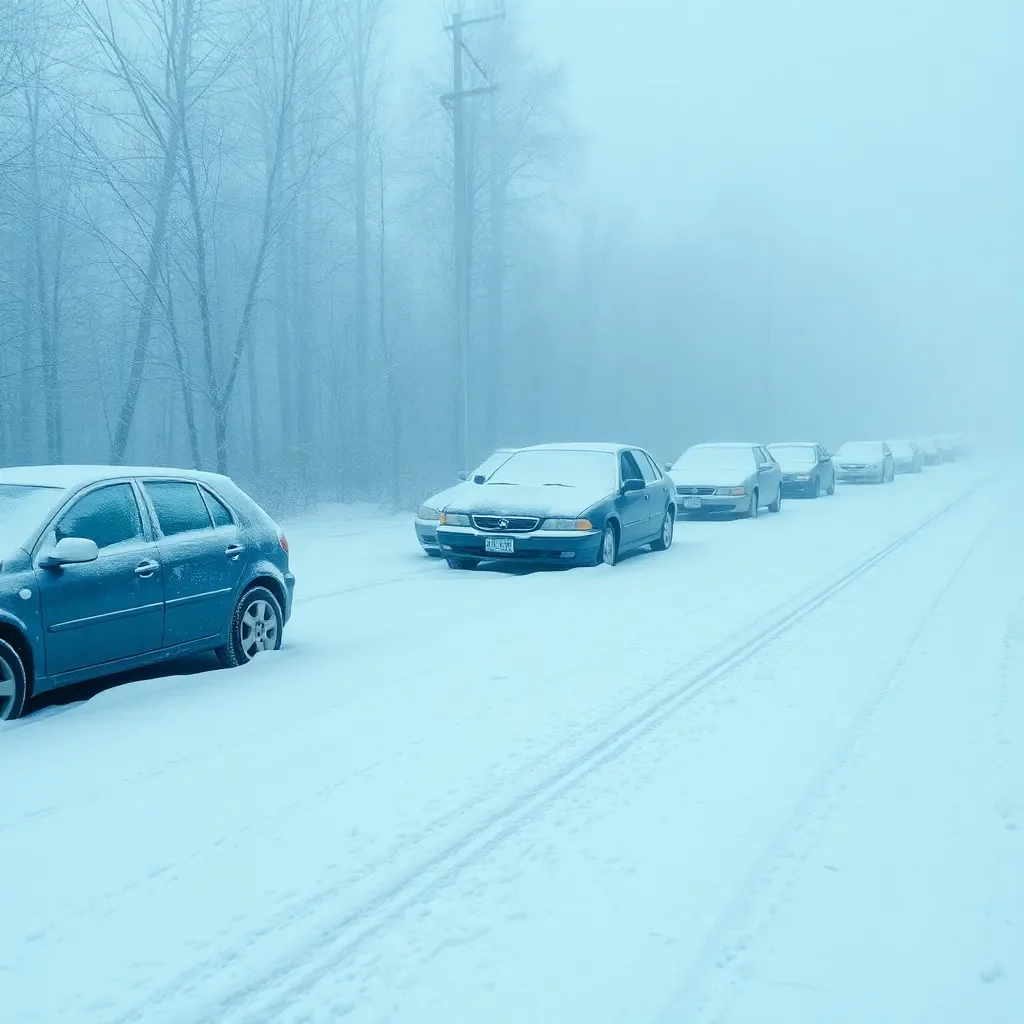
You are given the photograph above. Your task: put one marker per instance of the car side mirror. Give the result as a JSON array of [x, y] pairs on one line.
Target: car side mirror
[[463, 476], [70, 551], [629, 486], [479, 479], [667, 467]]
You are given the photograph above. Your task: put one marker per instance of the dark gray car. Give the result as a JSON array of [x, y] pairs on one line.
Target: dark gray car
[[727, 478], [107, 569]]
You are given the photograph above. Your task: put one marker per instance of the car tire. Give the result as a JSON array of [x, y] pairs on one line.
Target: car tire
[[832, 486], [609, 551], [668, 527], [817, 487], [256, 626], [463, 564], [13, 683], [755, 505], [776, 506]]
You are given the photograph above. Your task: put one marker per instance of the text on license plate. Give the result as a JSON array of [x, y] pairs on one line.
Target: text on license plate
[[691, 502], [499, 545]]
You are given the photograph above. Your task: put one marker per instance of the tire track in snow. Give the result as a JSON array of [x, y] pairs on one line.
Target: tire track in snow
[[769, 882], [324, 938]]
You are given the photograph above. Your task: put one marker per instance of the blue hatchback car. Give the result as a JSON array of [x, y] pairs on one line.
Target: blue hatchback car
[[106, 569]]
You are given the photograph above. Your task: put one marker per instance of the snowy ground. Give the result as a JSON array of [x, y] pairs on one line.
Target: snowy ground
[[775, 774]]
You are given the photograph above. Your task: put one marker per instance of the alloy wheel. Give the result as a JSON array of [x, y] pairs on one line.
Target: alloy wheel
[[259, 629], [8, 690]]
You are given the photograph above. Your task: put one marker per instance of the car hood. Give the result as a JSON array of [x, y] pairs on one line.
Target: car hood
[[519, 500], [709, 477]]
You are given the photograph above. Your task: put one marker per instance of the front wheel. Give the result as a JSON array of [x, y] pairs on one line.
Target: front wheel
[[755, 506], [776, 505], [609, 553], [255, 627], [817, 487], [668, 526], [13, 684], [832, 486]]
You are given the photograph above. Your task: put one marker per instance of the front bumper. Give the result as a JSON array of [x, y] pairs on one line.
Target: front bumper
[[713, 504], [553, 547], [871, 475], [426, 534], [793, 488]]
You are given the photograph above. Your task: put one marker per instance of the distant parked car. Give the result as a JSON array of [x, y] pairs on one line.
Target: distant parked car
[[106, 569], [909, 458], [929, 451], [430, 511], [561, 504], [727, 478], [865, 462], [807, 469]]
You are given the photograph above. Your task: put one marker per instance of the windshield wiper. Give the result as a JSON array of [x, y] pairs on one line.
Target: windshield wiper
[[556, 485]]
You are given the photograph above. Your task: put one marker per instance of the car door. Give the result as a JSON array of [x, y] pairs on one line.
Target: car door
[[769, 476], [657, 490], [203, 554], [634, 506], [99, 612], [826, 468]]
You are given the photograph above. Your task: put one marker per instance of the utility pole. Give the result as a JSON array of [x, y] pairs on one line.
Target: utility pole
[[453, 101]]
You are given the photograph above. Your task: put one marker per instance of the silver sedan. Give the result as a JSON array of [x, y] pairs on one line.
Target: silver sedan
[[727, 479]]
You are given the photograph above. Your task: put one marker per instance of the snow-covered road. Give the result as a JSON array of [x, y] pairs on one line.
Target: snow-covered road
[[772, 775]]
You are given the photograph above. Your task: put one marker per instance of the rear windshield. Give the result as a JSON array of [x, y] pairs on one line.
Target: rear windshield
[[558, 468], [727, 459], [902, 449], [860, 451], [794, 454]]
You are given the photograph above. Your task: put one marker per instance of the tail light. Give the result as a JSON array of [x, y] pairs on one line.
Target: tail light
[[283, 540]]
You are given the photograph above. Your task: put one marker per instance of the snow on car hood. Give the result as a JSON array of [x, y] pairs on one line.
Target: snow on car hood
[[550, 501]]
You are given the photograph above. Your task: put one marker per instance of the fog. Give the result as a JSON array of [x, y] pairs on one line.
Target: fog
[[227, 231]]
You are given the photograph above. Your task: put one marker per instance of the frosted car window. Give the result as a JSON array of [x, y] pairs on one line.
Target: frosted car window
[[714, 458], [861, 451], [179, 506], [646, 460], [109, 515], [557, 467], [794, 454], [218, 510]]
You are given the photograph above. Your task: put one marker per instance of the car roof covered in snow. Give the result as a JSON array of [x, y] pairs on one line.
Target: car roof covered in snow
[[793, 444], [580, 446], [71, 477], [729, 444]]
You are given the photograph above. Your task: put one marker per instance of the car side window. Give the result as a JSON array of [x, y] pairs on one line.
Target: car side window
[[646, 468], [179, 506], [763, 458], [218, 510], [628, 467], [108, 516]]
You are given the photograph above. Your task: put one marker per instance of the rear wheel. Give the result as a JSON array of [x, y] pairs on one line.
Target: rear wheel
[[13, 686], [463, 563], [256, 627], [755, 505], [668, 526], [609, 553]]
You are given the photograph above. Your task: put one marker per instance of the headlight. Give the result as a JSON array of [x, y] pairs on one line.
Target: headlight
[[736, 492], [567, 524], [453, 519], [426, 512]]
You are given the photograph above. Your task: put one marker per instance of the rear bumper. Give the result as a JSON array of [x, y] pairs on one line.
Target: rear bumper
[[289, 595], [798, 488], [541, 546], [864, 476]]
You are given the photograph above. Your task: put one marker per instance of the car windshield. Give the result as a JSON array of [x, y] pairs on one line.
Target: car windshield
[[794, 454], [22, 509], [715, 459], [557, 467], [901, 449], [860, 451], [490, 464]]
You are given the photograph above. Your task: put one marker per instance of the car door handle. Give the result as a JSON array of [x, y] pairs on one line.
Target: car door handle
[[233, 551], [147, 568]]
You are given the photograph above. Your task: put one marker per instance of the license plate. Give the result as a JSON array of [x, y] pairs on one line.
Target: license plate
[[499, 545], [691, 502]]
